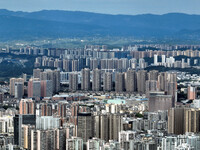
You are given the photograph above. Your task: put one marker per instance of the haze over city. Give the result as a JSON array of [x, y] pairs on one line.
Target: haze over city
[[131, 7]]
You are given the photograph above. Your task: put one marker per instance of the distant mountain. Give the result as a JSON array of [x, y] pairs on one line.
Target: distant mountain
[[57, 23], [12, 28]]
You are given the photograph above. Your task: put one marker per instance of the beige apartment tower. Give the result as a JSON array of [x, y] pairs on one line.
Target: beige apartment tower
[[96, 80], [131, 81], [119, 82], [176, 121], [141, 81], [85, 82], [12, 85], [73, 81], [107, 82]]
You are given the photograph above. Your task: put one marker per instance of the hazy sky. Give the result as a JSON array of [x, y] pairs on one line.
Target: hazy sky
[[107, 6]]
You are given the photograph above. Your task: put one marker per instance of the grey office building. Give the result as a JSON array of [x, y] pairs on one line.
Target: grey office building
[[18, 121]]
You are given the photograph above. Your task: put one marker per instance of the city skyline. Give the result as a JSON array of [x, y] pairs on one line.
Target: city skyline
[[100, 75], [98, 98]]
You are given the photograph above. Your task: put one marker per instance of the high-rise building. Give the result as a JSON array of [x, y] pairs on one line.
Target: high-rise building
[[188, 62], [45, 76], [194, 141], [126, 135], [151, 86], [107, 126], [61, 135], [107, 82], [46, 109], [131, 81], [12, 85], [56, 81], [75, 66], [141, 81], [163, 59], [133, 63], [169, 142], [160, 101], [1, 97], [73, 81], [191, 93], [81, 63], [171, 77], [126, 139], [26, 106], [19, 89], [168, 82], [24, 77], [74, 113], [153, 75], [54, 76], [85, 128], [6, 124], [187, 141], [183, 120], [172, 90], [75, 143], [18, 121], [142, 63], [155, 60], [96, 80], [119, 64], [102, 127], [111, 64], [191, 120], [103, 64], [46, 88], [62, 106], [66, 65], [95, 143], [43, 139], [183, 63], [176, 121], [26, 136], [58, 63], [64, 77], [34, 88], [93, 64], [47, 122], [119, 82], [70, 130], [36, 73], [162, 81], [85, 82], [115, 126]]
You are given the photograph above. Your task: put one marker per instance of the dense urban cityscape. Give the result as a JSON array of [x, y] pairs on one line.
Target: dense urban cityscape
[[97, 98], [99, 75]]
